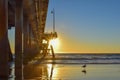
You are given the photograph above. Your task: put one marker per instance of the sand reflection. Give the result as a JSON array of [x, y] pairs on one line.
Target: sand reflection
[[53, 71], [38, 72], [71, 72]]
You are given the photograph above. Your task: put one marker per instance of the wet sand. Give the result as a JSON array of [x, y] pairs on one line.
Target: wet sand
[[72, 72]]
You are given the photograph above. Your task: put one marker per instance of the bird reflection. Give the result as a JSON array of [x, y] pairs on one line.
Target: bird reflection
[[84, 71]]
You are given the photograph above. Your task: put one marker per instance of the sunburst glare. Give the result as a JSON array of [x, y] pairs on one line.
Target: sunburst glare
[[55, 43]]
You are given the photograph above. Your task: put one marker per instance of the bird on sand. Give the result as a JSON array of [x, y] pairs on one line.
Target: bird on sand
[[84, 66]]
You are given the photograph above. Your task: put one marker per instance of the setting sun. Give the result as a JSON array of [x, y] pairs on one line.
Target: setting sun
[[55, 43]]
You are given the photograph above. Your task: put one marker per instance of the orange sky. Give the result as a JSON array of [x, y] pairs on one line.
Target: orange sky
[[72, 45], [84, 26]]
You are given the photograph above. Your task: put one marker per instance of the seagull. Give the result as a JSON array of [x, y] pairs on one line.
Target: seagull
[[84, 66]]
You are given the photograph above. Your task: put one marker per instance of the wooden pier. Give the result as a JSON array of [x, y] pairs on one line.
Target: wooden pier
[[29, 19]]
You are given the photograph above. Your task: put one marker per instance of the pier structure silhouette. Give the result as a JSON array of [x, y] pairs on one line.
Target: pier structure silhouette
[[28, 17]]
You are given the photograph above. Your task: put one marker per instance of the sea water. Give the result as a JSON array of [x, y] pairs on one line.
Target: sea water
[[85, 59]]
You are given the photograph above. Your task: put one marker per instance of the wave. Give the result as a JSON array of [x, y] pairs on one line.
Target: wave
[[84, 58]]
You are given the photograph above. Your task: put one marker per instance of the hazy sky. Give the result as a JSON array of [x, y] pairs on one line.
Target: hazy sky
[[86, 25]]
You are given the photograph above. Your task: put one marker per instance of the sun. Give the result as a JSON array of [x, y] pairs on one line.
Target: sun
[[55, 43]]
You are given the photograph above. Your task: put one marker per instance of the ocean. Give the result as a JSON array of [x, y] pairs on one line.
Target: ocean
[[84, 59], [69, 67]]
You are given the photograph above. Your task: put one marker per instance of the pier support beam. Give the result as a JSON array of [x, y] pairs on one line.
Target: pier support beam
[[25, 35], [53, 55], [25, 39], [30, 37], [18, 39], [3, 39]]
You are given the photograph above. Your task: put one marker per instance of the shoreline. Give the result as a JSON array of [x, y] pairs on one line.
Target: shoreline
[[78, 63]]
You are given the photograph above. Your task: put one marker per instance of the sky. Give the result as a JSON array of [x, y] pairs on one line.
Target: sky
[[86, 26]]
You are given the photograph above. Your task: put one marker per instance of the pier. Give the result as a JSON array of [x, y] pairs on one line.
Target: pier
[[29, 19]]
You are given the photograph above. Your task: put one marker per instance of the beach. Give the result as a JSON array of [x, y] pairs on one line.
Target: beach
[[92, 72], [70, 67], [72, 72]]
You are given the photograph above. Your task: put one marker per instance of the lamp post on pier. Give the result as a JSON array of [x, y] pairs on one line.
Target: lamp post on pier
[[53, 12]]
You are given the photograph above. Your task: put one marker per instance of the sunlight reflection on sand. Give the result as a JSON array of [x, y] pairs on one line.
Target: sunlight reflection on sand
[[73, 72]]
